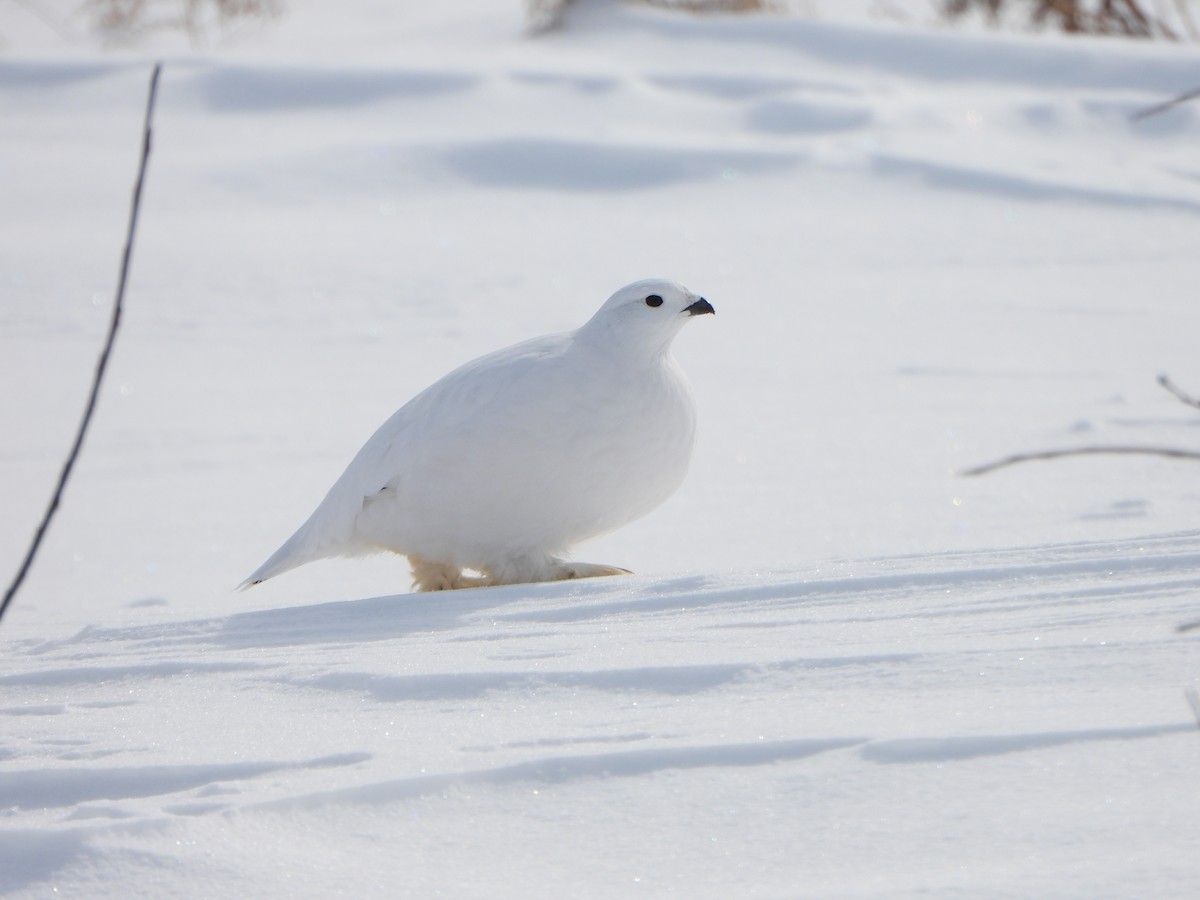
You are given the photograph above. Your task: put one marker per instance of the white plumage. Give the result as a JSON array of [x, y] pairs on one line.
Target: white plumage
[[510, 460]]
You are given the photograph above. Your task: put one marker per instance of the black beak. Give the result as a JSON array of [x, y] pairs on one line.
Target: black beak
[[699, 308]]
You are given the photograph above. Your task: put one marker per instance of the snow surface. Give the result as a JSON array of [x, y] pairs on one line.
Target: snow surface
[[843, 670]]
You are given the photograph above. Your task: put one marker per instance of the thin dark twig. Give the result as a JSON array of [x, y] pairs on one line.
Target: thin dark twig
[[1168, 452], [1193, 699], [1163, 107], [1179, 392], [1188, 626], [114, 323]]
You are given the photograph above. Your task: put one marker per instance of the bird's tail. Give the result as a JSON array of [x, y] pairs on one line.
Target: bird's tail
[[328, 532], [287, 557], [311, 541]]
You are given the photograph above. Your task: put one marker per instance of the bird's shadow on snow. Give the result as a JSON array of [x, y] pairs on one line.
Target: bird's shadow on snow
[[339, 621], [387, 617], [396, 615], [352, 621]]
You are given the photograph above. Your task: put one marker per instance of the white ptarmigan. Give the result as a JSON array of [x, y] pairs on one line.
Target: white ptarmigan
[[510, 460]]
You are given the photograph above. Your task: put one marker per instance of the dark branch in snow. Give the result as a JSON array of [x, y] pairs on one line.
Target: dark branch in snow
[[1193, 699], [1178, 391], [1188, 626], [1163, 107], [1167, 452], [114, 323]]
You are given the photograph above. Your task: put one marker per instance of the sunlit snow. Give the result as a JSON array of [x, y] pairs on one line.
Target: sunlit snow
[[842, 669]]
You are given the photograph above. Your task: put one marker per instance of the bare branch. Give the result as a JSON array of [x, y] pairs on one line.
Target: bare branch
[[1168, 452], [102, 365], [1179, 392], [1163, 107]]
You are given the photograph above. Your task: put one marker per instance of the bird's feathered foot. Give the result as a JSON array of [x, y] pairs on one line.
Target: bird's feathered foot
[[543, 567], [434, 576], [564, 571]]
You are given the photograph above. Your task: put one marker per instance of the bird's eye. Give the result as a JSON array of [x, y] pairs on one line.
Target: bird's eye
[[654, 300]]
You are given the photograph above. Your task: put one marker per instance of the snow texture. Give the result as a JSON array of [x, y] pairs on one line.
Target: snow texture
[[842, 670]]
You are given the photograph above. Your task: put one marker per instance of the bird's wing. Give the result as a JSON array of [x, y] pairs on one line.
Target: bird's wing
[[473, 392], [487, 388]]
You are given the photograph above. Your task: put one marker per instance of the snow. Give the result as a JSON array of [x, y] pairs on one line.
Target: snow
[[842, 670]]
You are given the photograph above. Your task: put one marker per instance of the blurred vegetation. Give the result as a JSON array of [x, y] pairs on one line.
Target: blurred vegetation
[[1128, 18], [128, 19], [1170, 19]]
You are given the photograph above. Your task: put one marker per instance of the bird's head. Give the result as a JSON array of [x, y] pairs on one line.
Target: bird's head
[[646, 314]]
